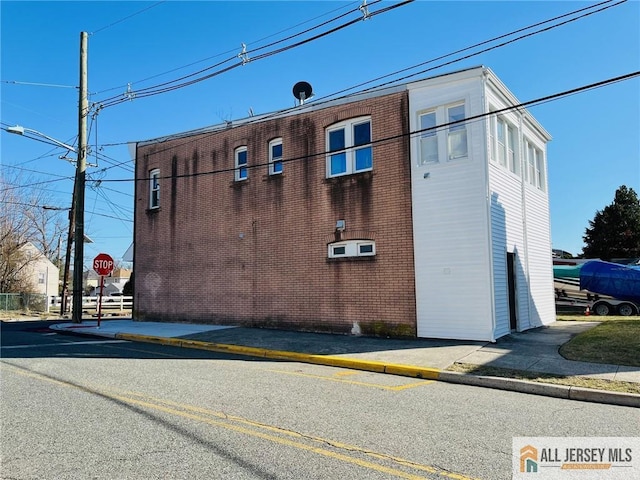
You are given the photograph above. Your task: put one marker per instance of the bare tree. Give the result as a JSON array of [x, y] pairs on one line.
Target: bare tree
[[22, 220]]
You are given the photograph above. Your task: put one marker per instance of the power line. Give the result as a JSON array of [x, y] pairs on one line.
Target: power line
[[538, 101], [230, 51], [328, 98], [127, 17], [167, 87]]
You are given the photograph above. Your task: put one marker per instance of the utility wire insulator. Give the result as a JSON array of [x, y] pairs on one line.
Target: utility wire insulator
[[129, 94], [365, 10], [243, 55]]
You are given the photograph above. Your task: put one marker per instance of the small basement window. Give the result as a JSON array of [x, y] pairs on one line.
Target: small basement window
[[352, 248]]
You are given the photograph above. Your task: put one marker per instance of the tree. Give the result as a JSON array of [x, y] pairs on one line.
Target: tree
[[614, 232], [22, 220]]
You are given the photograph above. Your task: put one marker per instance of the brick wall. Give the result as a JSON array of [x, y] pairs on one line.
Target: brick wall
[[255, 252]]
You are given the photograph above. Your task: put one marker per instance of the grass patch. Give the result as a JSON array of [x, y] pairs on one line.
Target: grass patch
[[572, 381], [613, 341]]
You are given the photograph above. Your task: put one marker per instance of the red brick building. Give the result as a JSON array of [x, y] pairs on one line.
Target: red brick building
[[254, 251], [361, 214]]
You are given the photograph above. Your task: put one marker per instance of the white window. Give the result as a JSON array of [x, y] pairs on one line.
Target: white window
[[275, 156], [534, 166], [41, 277], [349, 147], [428, 138], [154, 188], [241, 172], [352, 248], [457, 134], [439, 145], [504, 144]]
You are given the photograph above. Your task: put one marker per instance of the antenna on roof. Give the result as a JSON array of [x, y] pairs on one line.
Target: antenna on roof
[[302, 91]]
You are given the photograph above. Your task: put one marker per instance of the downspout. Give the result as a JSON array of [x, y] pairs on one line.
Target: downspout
[[492, 287]]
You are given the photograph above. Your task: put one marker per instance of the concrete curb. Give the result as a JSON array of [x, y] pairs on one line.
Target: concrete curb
[[509, 384]]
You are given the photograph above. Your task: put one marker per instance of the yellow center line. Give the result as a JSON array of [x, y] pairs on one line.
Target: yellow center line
[[248, 427]]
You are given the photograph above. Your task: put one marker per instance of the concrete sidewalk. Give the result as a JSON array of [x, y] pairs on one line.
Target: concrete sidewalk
[[532, 351]]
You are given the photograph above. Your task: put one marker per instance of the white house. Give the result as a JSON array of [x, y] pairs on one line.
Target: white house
[[40, 271]]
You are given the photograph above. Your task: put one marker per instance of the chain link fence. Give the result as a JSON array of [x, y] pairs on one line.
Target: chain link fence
[[26, 302]]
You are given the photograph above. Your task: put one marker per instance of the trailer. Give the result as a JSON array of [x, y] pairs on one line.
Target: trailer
[[603, 288]]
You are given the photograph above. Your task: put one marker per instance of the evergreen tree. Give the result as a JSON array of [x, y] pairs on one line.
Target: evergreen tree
[[614, 232]]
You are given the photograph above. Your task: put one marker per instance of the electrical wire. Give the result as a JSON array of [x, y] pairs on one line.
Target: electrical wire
[[226, 52], [328, 98], [127, 17], [167, 87], [382, 141]]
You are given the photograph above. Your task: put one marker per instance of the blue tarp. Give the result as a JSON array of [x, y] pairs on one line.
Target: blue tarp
[[618, 281]]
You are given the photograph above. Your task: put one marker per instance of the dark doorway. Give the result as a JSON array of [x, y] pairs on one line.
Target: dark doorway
[[511, 280]]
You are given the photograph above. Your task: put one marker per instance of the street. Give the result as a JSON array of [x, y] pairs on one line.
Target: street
[[81, 407]]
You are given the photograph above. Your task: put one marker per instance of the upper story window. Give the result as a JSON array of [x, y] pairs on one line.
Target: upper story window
[[534, 166], [428, 138], [154, 188], [241, 172], [439, 145], [504, 144], [349, 146], [275, 156], [457, 133]]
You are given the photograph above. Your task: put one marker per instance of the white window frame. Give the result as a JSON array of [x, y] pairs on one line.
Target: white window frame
[[534, 164], [458, 129], [154, 188], [241, 170], [505, 153], [351, 248], [273, 161], [349, 150], [443, 135]]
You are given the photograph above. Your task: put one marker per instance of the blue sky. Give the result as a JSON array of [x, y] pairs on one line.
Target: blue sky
[[596, 134]]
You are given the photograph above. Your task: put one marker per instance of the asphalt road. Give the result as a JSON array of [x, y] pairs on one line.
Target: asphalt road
[[81, 407]]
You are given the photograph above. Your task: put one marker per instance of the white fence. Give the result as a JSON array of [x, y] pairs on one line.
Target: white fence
[[91, 303]]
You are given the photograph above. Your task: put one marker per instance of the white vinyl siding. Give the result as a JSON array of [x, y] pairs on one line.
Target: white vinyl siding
[[468, 214]]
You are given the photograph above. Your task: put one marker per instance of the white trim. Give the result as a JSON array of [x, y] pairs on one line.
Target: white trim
[[273, 160], [349, 150], [239, 177], [154, 188], [351, 248]]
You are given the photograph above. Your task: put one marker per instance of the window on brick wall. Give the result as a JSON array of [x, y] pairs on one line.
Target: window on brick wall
[[241, 162], [349, 147], [275, 156], [154, 188], [352, 248]]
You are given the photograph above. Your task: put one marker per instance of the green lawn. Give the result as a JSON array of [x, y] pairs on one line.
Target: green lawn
[[616, 340]]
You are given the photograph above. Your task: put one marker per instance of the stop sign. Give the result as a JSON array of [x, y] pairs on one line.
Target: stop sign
[[103, 264]]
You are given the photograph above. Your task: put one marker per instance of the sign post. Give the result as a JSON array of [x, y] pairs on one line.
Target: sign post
[[103, 266]]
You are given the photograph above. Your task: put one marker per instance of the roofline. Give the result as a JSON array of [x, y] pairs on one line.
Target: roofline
[[305, 108]]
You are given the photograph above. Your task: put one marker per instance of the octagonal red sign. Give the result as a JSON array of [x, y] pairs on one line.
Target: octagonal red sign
[[103, 264]]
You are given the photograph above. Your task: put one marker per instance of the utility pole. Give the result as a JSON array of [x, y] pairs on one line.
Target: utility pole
[[64, 303], [81, 166]]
